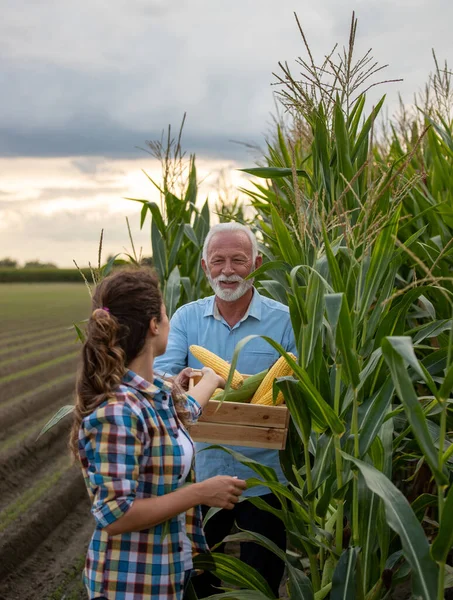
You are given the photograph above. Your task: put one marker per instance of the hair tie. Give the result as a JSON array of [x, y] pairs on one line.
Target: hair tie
[[106, 309]]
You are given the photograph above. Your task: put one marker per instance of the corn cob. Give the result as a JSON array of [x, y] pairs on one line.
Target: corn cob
[[266, 399], [220, 366], [280, 369], [245, 392]]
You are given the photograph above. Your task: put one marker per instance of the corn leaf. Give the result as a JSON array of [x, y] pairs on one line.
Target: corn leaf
[[343, 580], [232, 570], [394, 354], [172, 291], [61, 413], [403, 521]]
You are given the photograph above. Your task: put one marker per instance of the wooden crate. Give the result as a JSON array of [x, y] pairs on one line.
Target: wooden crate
[[242, 424]]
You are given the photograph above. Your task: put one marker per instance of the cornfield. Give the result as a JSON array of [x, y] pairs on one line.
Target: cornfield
[[355, 224]]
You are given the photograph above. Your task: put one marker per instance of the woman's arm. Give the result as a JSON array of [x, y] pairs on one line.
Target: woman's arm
[[222, 491], [204, 389]]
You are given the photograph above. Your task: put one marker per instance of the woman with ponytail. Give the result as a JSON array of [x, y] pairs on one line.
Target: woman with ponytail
[[130, 436]]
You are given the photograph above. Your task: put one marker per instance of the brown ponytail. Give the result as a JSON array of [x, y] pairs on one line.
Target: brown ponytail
[[123, 305]]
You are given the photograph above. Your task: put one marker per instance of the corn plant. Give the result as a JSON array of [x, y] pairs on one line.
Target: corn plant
[[371, 306], [178, 225]]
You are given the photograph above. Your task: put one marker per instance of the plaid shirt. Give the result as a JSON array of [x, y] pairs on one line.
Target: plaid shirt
[[129, 449]]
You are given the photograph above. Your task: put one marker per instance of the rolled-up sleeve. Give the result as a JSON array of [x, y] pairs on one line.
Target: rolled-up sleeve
[[194, 408], [113, 440]]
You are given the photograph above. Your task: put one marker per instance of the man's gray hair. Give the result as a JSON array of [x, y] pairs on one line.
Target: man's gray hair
[[221, 227]]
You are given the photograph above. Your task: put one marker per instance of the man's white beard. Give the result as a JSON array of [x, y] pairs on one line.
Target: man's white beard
[[230, 295]]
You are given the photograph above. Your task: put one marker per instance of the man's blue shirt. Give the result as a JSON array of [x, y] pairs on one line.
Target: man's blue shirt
[[200, 323]]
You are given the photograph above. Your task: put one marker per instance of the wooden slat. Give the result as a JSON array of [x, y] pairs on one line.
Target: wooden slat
[[240, 435], [239, 413]]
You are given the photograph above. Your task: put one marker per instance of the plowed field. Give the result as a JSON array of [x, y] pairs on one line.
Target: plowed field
[[45, 522]]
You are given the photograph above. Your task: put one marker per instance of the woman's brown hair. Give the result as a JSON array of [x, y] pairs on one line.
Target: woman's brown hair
[[123, 305]]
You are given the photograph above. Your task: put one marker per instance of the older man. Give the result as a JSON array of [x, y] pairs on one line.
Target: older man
[[218, 323]]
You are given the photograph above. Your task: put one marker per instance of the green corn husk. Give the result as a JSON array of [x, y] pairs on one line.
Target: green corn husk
[[245, 392]]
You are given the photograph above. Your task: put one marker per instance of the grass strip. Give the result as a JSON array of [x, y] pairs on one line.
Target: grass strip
[[33, 494], [35, 353], [30, 335], [37, 368], [41, 340], [35, 427], [42, 388], [71, 587]]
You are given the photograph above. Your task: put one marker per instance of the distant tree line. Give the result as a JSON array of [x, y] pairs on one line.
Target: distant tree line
[[9, 263]]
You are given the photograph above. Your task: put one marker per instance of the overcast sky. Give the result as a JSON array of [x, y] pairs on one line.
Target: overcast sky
[[83, 84]]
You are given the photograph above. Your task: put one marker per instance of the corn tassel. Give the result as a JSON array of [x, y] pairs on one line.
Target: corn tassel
[[217, 364], [280, 369]]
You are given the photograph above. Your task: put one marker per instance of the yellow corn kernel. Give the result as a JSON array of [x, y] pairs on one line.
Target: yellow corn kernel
[[280, 369], [217, 364], [266, 399]]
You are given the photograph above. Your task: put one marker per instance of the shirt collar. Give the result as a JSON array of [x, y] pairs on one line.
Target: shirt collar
[[135, 381], [253, 310]]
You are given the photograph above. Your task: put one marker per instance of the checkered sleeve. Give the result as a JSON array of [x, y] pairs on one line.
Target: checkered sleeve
[[115, 436], [194, 408]]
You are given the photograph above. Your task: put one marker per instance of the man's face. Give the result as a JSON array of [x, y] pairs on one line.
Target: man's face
[[229, 261]]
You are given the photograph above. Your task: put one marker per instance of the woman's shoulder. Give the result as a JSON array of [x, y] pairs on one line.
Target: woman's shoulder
[[124, 406]]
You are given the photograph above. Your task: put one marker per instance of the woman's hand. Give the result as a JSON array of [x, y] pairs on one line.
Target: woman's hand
[[182, 379], [221, 491]]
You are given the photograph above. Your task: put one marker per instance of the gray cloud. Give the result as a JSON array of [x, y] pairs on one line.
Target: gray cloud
[[100, 77]]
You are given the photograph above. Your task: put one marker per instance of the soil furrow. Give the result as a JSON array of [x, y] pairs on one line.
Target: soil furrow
[[18, 337], [28, 381], [19, 408], [30, 459], [10, 367], [20, 540], [53, 571], [20, 349]]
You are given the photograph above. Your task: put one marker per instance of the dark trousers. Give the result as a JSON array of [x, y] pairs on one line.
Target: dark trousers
[[248, 517]]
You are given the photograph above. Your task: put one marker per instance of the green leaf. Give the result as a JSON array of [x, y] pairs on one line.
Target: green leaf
[[296, 405], [300, 586], [340, 320], [156, 216], [401, 518], [315, 308], [374, 411], [58, 416], [190, 234], [159, 253], [343, 580], [275, 172], [176, 246], [172, 292], [232, 570], [80, 333], [380, 259], [444, 540], [366, 129], [393, 353], [334, 269], [286, 244]]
